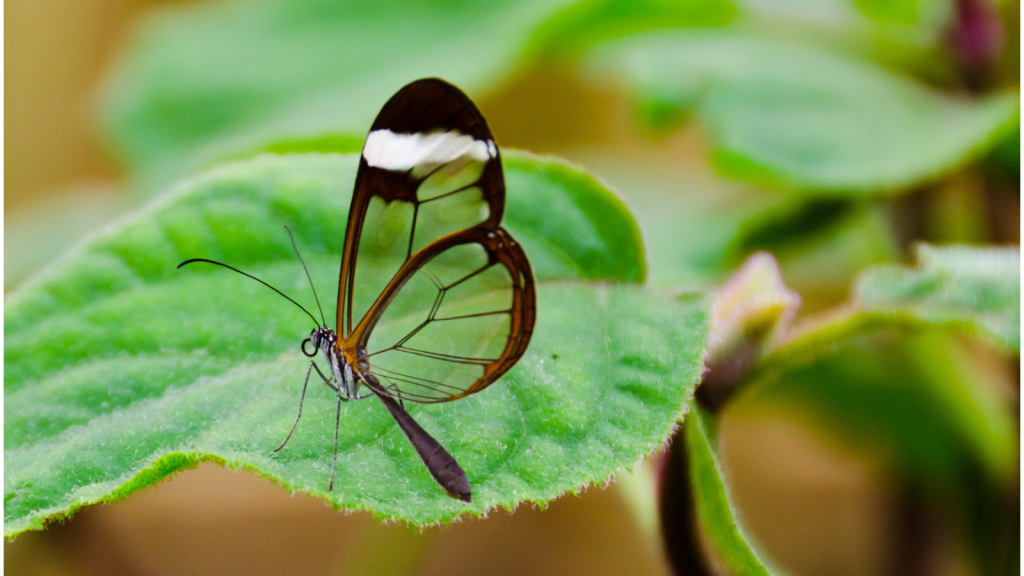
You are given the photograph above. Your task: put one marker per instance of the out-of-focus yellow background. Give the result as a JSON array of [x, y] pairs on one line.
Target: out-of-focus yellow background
[[813, 507], [55, 54]]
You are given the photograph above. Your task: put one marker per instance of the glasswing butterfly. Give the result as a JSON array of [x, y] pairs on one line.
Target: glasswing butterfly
[[448, 304]]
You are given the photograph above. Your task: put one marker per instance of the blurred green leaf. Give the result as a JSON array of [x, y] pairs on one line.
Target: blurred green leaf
[[907, 12], [1006, 154], [210, 80], [905, 392], [792, 115], [322, 143], [888, 374], [121, 370], [822, 244], [793, 225], [974, 288], [714, 510], [690, 216], [584, 24]]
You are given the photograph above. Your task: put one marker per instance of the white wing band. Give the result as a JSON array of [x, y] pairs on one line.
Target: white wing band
[[390, 151]]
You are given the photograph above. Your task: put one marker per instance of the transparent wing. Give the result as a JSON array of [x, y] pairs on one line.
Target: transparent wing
[[458, 315], [429, 168]]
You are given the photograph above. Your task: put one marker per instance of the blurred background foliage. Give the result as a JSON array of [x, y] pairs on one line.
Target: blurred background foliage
[[872, 430]]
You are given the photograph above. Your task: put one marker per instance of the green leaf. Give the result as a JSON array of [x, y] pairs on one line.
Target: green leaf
[[121, 370], [916, 399], [794, 115], [975, 289], [323, 143], [1006, 154], [690, 216], [907, 12], [821, 244], [585, 24], [211, 80], [897, 382], [714, 510], [906, 392]]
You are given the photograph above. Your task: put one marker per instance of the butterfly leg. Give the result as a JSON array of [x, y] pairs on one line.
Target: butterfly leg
[[337, 424], [302, 398], [394, 388], [324, 378]]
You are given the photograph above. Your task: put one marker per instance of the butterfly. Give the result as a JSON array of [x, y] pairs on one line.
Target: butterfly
[[436, 300]]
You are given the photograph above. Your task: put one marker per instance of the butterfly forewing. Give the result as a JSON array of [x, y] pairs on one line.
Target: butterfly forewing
[[429, 168]]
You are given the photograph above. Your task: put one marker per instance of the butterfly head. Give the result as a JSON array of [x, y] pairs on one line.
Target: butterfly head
[[321, 339]]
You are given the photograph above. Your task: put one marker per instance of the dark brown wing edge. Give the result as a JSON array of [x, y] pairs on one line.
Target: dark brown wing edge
[[421, 106], [501, 249]]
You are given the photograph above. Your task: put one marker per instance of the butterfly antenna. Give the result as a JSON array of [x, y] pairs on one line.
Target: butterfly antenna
[[254, 278], [317, 298]]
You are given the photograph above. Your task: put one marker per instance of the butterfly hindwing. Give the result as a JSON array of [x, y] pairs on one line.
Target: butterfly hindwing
[[458, 316]]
